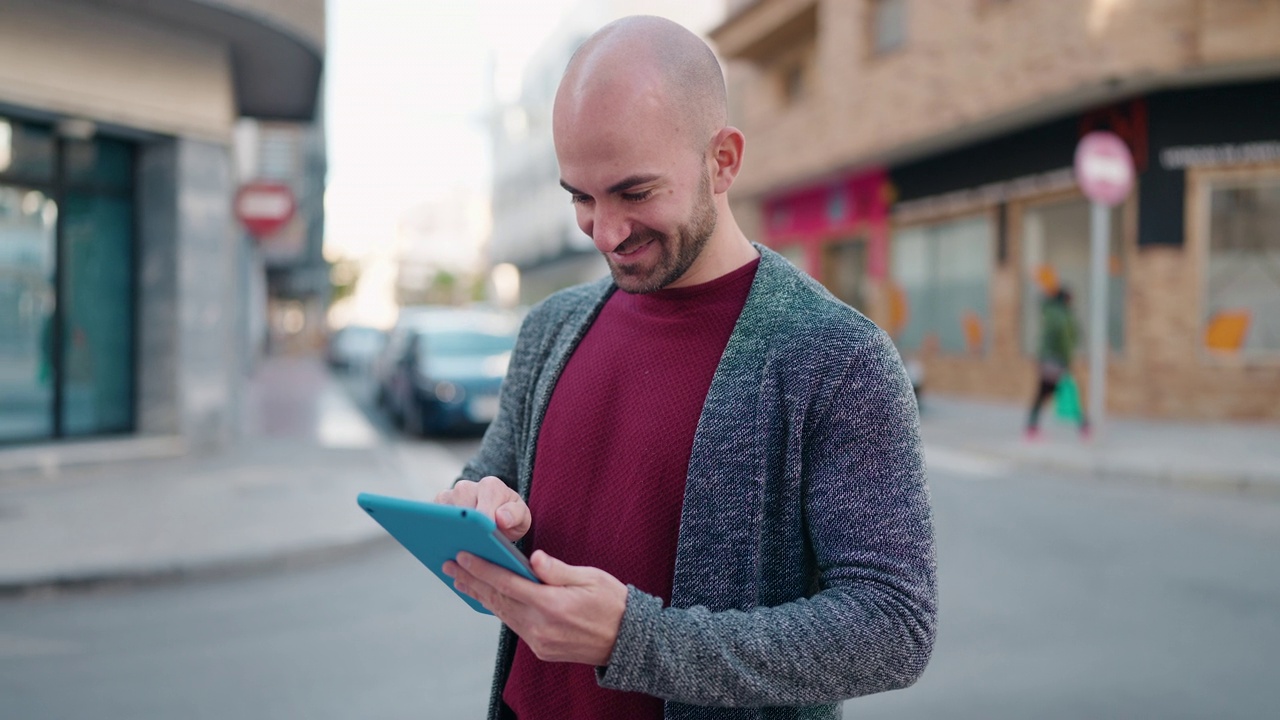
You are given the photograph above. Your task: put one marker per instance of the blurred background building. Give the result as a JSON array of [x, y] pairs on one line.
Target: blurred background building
[[131, 300], [290, 257], [534, 228], [916, 158]]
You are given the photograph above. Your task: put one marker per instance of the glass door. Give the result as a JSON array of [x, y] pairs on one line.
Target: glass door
[[28, 236]]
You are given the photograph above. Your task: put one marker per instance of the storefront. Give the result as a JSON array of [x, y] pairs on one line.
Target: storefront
[[839, 232], [125, 282], [980, 234], [67, 262]]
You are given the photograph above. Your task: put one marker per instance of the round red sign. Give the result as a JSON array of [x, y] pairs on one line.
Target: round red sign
[[264, 207], [1104, 167]]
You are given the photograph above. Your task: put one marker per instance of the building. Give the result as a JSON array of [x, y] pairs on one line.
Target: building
[[125, 280], [534, 225], [287, 262], [916, 158]]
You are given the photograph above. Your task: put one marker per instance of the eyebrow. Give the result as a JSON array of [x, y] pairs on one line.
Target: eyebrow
[[620, 186]]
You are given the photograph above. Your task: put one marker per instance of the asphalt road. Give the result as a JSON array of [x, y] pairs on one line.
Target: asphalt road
[[1060, 598]]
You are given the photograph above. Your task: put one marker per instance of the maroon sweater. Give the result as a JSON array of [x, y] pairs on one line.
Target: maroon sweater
[[612, 456]]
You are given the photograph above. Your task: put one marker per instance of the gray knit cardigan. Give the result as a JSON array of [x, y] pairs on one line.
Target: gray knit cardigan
[[804, 567]]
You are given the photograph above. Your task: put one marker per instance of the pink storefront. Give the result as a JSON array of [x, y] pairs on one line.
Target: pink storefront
[[838, 231]]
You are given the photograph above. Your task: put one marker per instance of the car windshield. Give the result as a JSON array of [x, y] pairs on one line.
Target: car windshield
[[464, 343]]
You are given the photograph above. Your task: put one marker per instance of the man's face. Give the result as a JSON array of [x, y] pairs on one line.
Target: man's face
[[644, 198]]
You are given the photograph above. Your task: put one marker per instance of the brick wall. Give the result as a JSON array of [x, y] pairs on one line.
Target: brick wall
[[979, 68], [966, 66]]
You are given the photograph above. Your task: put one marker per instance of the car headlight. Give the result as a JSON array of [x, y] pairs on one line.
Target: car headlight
[[447, 392]]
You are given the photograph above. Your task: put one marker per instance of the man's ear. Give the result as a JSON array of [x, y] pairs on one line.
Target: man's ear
[[726, 158]]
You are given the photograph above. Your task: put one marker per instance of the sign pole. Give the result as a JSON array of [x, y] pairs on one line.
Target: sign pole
[[1100, 254], [1104, 171]]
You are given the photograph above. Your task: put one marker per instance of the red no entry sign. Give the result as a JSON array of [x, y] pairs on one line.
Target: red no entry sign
[[1104, 167], [264, 207]]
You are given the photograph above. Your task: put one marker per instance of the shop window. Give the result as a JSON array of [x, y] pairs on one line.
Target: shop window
[[939, 294], [1055, 254], [845, 272], [795, 254], [26, 152], [28, 219], [1241, 311], [97, 346], [66, 286]]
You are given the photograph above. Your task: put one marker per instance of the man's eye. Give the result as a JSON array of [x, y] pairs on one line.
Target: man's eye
[[637, 197], [579, 199]]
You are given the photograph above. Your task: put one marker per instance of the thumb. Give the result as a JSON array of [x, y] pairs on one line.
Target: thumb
[[556, 572]]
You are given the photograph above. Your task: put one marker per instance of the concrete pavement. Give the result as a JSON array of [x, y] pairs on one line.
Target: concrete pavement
[[1232, 457], [287, 489]]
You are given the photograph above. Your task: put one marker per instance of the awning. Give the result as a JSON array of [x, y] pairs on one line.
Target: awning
[[276, 68]]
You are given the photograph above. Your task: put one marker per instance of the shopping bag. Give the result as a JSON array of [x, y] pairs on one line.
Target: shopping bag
[[1066, 399]]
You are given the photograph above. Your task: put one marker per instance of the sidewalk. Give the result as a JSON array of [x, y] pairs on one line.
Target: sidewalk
[[1235, 457], [286, 490]]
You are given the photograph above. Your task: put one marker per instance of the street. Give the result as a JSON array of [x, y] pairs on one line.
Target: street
[[1061, 597]]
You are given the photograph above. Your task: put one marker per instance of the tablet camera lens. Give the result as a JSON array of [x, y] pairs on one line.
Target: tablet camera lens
[[464, 513]]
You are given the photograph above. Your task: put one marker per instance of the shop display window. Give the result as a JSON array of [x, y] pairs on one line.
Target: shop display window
[[1055, 253], [939, 294], [66, 285], [1241, 309]]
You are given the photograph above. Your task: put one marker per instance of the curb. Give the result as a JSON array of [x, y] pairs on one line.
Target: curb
[[48, 459], [225, 568], [1227, 483]]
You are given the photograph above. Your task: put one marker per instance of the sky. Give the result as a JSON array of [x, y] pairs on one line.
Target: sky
[[408, 84], [405, 91]]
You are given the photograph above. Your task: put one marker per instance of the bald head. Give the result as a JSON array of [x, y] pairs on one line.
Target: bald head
[[651, 61]]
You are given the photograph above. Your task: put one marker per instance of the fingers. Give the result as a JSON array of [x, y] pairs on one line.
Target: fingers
[[462, 494], [502, 592], [499, 579], [504, 505], [557, 572], [562, 623], [492, 497]]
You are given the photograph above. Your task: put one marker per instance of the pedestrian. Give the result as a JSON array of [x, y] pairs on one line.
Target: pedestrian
[[1059, 334], [715, 465]]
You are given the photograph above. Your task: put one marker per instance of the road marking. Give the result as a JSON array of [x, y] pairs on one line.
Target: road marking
[[964, 463]]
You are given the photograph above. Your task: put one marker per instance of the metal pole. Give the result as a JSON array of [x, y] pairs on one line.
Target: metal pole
[[1100, 222]]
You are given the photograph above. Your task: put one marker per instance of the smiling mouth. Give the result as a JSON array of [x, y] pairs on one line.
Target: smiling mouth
[[633, 249]]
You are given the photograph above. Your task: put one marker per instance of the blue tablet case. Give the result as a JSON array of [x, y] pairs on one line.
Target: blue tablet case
[[436, 533]]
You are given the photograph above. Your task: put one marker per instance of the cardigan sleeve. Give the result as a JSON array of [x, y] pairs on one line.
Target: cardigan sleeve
[[869, 626]]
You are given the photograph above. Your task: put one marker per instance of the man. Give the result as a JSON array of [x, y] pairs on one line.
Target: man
[[715, 464]]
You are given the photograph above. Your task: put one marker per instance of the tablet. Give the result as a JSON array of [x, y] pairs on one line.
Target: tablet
[[436, 533]]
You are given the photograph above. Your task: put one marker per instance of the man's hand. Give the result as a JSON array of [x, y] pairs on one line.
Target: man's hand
[[572, 617], [492, 497]]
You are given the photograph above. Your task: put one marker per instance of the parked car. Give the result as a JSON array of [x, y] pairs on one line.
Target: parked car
[[354, 347], [384, 364], [449, 370]]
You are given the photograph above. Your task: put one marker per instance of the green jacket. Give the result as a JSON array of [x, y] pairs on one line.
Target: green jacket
[[1058, 333]]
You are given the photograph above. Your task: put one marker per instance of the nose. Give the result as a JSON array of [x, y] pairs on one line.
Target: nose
[[608, 228]]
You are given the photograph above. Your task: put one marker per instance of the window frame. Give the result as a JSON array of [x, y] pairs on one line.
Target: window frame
[[1201, 182], [1128, 251], [985, 211]]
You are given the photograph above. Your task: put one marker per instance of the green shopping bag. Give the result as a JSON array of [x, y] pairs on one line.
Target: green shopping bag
[[1066, 399]]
